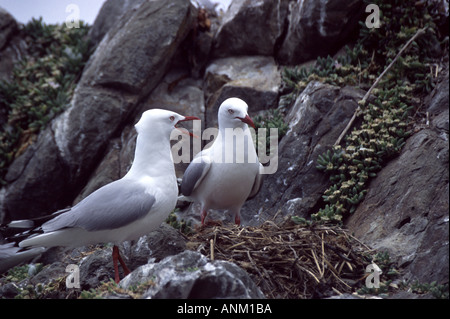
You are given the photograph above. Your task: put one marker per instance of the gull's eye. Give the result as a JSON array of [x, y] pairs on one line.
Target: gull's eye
[[230, 111], [172, 118]]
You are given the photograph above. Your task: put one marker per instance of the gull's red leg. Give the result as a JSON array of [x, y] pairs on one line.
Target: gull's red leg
[[126, 271], [237, 219], [203, 216], [115, 256]]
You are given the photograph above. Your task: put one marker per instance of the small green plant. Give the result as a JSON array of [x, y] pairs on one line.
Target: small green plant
[[183, 226], [111, 288], [385, 120], [436, 290], [388, 275], [301, 221], [272, 119], [42, 84], [20, 273]]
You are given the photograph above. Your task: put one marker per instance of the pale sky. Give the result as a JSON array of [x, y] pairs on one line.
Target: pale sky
[[52, 11]]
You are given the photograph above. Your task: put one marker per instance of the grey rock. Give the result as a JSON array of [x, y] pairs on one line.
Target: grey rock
[[157, 245], [179, 92], [344, 296], [256, 79], [318, 28], [25, 197], [192, 275], [12, 47], [114, 165], [195, 52], [49, 274], [8, 26], [149, 35], [191, 214], [97, 267], [409, 295], [436, 101], [9, 56], [238, 35], [9, 290], [108, 16]]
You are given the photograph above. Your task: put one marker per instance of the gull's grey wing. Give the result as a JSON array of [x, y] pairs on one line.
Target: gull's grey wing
[[112, 206], [258, 182], [11, 255], [194, 174], [33, 222]]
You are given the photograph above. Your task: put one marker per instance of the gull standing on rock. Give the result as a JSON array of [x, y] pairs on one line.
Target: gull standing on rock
[[130, 207], [228, 173]]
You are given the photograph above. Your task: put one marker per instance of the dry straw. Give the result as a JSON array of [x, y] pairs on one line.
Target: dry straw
[[288, 260]]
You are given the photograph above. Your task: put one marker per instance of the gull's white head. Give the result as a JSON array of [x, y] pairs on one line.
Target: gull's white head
[[233, 112], [158, 121]]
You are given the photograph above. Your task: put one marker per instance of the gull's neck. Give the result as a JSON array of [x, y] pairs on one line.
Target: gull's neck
[[152, 157], [240, 131], [227, 135]]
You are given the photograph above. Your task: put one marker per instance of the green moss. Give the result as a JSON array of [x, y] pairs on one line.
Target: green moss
[[388, 276], [42, 84], [183, 226], [111, 288], [273, 118], [20, 273], [438, 291]]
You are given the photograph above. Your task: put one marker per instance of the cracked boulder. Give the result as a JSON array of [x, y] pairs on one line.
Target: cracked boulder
[[318, 28], [256, 79], [98, 267], [190, 275], [237, 34], [8, 26]]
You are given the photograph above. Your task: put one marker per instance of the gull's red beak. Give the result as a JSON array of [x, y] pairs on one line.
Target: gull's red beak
[[247, 120], [187, 118]]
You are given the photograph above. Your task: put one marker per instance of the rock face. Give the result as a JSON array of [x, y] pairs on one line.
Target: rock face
[[7, 27], [191, 275], [108, 16], [237, 34], [12, 47], [97, 267], [292, 31], [406, 210], [160, 28], [318, 28], [256, 79]]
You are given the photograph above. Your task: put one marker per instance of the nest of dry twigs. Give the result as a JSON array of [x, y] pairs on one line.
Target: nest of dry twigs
[[288, 260]]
